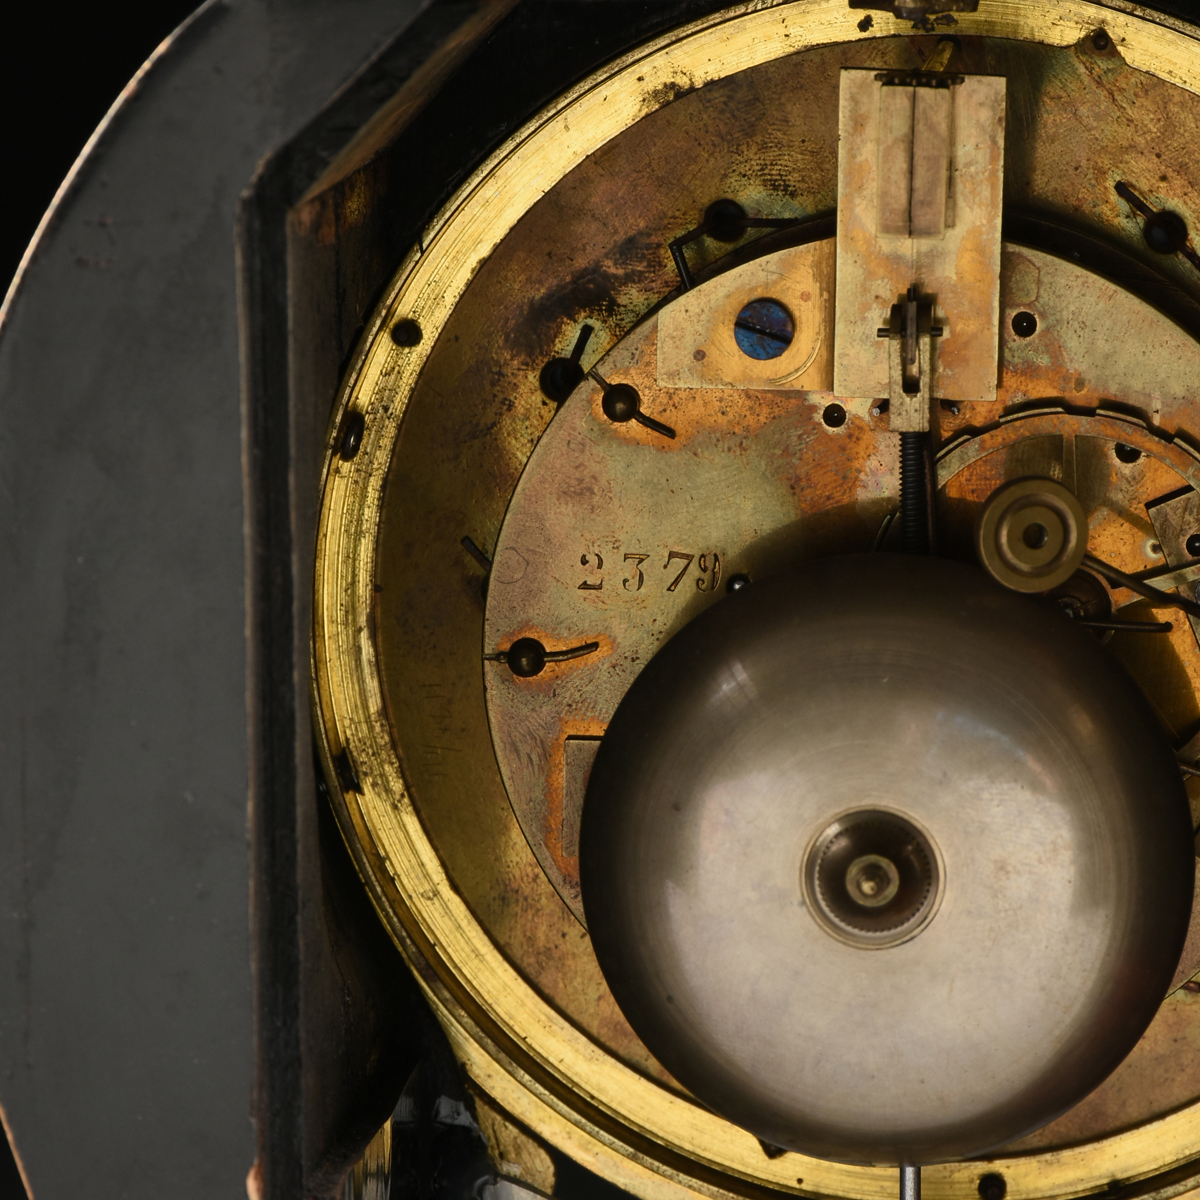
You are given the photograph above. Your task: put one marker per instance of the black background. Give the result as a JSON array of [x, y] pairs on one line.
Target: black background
[[61, 66]]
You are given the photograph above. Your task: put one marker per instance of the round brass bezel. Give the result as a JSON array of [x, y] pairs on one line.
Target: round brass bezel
[[517, 1046]]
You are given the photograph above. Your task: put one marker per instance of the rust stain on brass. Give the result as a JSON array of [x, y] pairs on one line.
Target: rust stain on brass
[[628, 534]]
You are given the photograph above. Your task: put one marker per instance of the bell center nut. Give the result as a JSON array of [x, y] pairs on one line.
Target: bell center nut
[[883, 819]]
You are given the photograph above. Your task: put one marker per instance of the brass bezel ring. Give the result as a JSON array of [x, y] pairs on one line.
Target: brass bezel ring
[[540, 1067]]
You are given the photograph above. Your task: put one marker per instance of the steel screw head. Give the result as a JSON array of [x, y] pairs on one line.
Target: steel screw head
[[872, 880], [621, 403], [526, 657], [1101, 41], [353, 427], [1083, 597], [559, 378], [726, 220], [764, 329], [1165, 232]]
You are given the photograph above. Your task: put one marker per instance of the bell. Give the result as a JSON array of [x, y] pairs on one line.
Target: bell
[[885, 863]]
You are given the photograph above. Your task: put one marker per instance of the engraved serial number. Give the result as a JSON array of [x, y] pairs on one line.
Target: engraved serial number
[[637, 573]]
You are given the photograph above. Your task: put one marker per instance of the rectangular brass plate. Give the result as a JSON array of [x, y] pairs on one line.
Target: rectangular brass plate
[[696, 344], [889, 190]]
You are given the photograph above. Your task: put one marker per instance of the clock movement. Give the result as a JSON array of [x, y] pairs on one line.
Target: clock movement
[[753, 606]]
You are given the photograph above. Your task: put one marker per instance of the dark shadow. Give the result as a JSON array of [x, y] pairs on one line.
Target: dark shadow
[[573, 1182], [11, 1185], [97, 49]]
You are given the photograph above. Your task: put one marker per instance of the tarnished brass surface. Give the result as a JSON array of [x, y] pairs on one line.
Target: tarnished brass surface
[[1080, 450], [608, 527], [568, 224], [619, 535], [696, 333], [957, 266]]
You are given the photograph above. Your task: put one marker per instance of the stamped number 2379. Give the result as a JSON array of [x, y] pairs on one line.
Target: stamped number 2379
[[639, 570]]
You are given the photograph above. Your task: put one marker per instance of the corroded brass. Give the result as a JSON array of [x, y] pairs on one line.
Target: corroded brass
[[617, 535], [884, 245], [754, 479], [1176, 521], [568, 225]]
